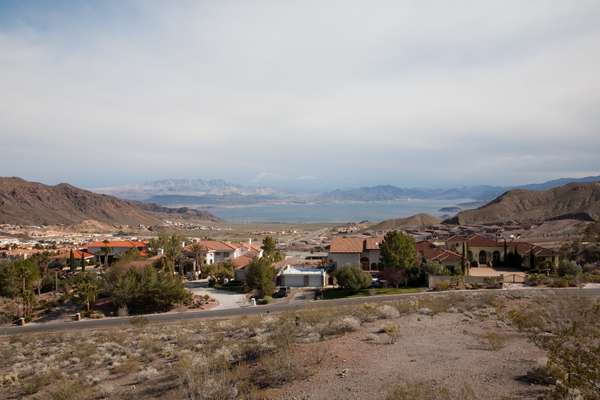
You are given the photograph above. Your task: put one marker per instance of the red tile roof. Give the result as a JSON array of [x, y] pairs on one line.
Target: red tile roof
[[347, 245], [242, 262], [116, 244]]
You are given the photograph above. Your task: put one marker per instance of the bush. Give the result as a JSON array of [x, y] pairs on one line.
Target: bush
[[568, 267], [260, 275], [145, 290], [435, 268], [353, 278]]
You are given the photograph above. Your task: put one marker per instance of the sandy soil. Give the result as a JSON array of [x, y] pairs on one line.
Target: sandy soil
[[445, 350]]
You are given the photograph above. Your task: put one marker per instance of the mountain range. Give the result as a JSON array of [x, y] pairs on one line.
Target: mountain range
[[215, 192], [572, 201], [31, 203]]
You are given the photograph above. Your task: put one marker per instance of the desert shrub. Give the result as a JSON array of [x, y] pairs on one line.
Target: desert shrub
[[441, 286], [275, 370], [69, 390], [393, 332], [539, 376], [353, 278], [340, 326], [204, 378]]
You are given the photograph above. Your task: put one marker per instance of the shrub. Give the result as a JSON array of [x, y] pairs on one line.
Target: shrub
[[568, 268], [353, 278], [145, 290], [260, 275], [393, 332]]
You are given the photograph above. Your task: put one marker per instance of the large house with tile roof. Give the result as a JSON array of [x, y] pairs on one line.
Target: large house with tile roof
[[348, 251]]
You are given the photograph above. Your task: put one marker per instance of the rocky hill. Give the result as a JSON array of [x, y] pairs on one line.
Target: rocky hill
[[414, 221], [32, 203], [573, 201]]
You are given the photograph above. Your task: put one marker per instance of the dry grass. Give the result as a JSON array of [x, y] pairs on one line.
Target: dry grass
[[240, 357]]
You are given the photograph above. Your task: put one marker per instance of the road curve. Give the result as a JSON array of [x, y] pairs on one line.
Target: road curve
[[274, 308]]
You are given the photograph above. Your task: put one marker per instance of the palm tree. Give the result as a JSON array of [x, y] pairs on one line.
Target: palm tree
[[106, 251]]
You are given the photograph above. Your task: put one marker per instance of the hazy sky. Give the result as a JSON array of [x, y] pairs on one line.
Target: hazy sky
[[300, 94]]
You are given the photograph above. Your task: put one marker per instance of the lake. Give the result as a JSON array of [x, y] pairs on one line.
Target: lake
[[331, 212]]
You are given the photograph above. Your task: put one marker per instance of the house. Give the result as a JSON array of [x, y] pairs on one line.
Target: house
[[348, 251], [214, 251], [487, 251], [239, 266], [113, 249], [62, 260], [302, 277], [429, 252]]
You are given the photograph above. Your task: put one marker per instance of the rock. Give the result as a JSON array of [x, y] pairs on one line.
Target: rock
[[453, 310], [388, 312], [425, 311]]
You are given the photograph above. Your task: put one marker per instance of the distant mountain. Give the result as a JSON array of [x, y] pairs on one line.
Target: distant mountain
[[415, 221], [31, 203], [188, 187], [389, 192], [559, 182], [477, 193], [573, 201]]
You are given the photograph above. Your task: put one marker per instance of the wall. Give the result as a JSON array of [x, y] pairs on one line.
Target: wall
[[345, 259]]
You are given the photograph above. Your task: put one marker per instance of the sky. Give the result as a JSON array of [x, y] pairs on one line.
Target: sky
[[309, 94]]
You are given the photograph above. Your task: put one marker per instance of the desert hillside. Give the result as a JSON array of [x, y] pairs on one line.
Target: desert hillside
[[414, 221], [32, 203], [575, 201]]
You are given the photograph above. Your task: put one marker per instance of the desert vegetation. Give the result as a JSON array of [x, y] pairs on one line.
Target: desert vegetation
[[280, 356]]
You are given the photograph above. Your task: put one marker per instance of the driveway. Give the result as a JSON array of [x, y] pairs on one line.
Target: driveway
[[225, 299]]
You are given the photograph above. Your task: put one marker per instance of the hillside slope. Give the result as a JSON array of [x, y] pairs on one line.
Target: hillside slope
[[414, 221], [32, 203], [576, 201]]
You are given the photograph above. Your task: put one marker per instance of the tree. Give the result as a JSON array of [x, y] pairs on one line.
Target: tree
[[72, 260], [86, 286], [435, 268], [19, 279], [198, 251], [269, 247], [144, 289], [106, 250], [398, 255], [353, 278], [568, 268], [260, 276]]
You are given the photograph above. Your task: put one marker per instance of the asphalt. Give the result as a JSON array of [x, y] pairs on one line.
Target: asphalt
[[274, 308]]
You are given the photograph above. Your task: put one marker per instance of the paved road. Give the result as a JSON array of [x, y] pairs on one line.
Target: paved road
[[189, 315]]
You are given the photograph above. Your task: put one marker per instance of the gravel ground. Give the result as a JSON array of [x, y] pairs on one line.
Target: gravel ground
[[446, 350]]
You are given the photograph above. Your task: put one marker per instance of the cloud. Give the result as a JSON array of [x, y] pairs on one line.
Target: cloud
[[412, 93]]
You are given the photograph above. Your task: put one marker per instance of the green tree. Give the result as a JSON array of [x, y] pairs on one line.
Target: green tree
[[19, 279], [269, 247], [353, 278], [398, 255], [106, 250], [145, 289], [435, 268], [72, 260], [86, 287], [260, 276], [568, 268]]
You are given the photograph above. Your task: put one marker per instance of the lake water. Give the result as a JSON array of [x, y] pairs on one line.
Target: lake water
[[331, 212]]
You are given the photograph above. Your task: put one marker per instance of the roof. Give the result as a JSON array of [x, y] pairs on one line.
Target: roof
[[116, 243], [293, 270], [76, 254], [241, 262], [428, 250], [347, 245], [447, 256], [373, 243], [215, 245], [475, 240]]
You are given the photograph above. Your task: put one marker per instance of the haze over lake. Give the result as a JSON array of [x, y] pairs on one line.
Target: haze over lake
[[331, 212]]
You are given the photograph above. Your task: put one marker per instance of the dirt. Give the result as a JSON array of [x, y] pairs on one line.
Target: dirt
[[445, 350]]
